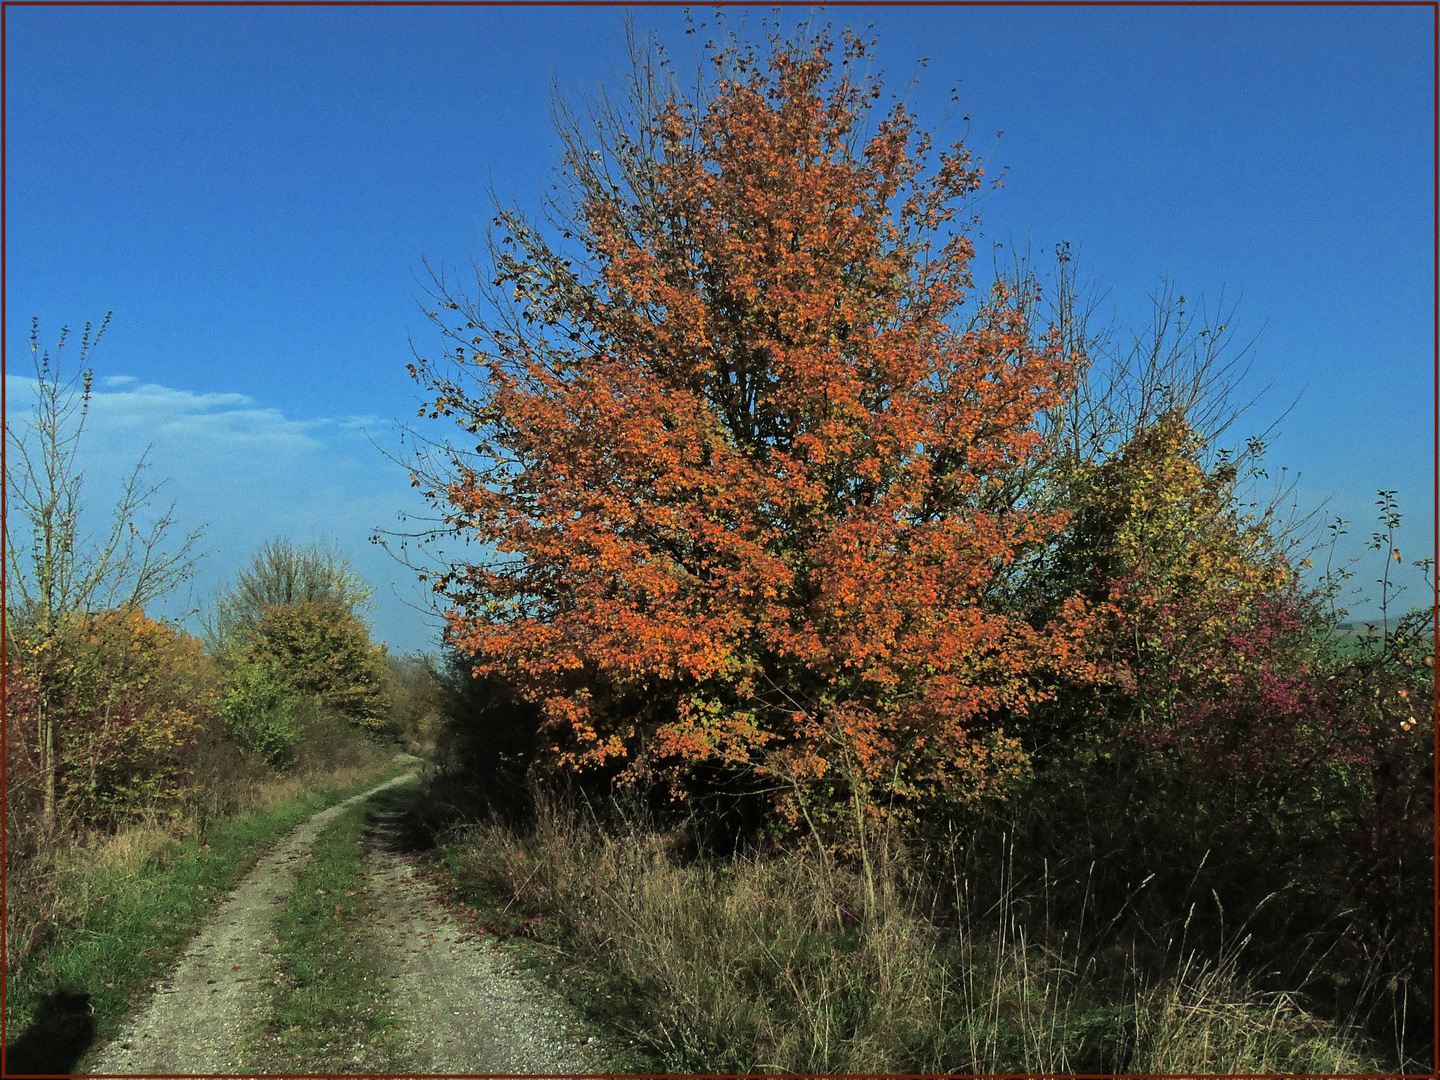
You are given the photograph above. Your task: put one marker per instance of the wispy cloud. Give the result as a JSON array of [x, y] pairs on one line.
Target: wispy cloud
[[247, 472], [225, 422]]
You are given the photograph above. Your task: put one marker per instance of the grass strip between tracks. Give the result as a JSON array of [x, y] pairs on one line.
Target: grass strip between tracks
[[329, 1008]]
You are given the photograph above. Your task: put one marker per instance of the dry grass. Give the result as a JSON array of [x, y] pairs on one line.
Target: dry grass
[[772, 964], [152, 838], [127, 851], [1205, 1020]]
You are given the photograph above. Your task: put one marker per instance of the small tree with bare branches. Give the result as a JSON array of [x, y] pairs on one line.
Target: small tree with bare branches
[[55, 573]]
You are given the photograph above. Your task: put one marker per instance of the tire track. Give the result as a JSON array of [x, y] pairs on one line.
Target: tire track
[[465, 1006]]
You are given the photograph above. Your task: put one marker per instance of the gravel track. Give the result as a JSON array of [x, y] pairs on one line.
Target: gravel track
[[464, 1007]]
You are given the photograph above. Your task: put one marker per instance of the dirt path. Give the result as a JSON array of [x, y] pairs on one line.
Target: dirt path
[[464, 1007], [194, 1021]]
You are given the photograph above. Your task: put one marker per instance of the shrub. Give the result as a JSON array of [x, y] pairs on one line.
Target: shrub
[[320, 648], [258, 704], [416, 700], [128, 697], [131, 695]]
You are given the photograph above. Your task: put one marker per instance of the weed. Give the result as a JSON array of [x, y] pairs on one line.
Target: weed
[[767, 964]]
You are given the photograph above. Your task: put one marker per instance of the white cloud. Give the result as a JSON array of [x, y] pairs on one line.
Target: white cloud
[[247, 473], [222, 421]]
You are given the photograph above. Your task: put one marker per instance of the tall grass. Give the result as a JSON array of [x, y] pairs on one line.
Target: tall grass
[[777, 964]]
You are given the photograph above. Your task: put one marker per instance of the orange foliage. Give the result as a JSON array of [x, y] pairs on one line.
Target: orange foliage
[[739, 468]]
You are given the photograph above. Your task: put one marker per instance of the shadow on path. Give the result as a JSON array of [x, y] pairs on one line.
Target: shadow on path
[[63, 1030], [391, 826]]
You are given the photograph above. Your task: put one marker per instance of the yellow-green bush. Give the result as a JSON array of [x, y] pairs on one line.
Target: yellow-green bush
[[321, 649], [129, 696], [258, 706]]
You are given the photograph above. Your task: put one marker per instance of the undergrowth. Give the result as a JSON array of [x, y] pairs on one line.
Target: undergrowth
[[771, 964]]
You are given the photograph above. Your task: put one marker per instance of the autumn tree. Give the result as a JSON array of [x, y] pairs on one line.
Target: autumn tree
[[57, 574], [739, 424], [282, 572], [321, 649]]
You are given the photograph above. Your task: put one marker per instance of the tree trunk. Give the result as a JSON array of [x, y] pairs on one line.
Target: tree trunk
[[47, 763]]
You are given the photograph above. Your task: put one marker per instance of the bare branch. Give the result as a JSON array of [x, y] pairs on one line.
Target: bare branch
[[54, 571]]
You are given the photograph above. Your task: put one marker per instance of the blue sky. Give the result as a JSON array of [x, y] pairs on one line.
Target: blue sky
[[252, 191]]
